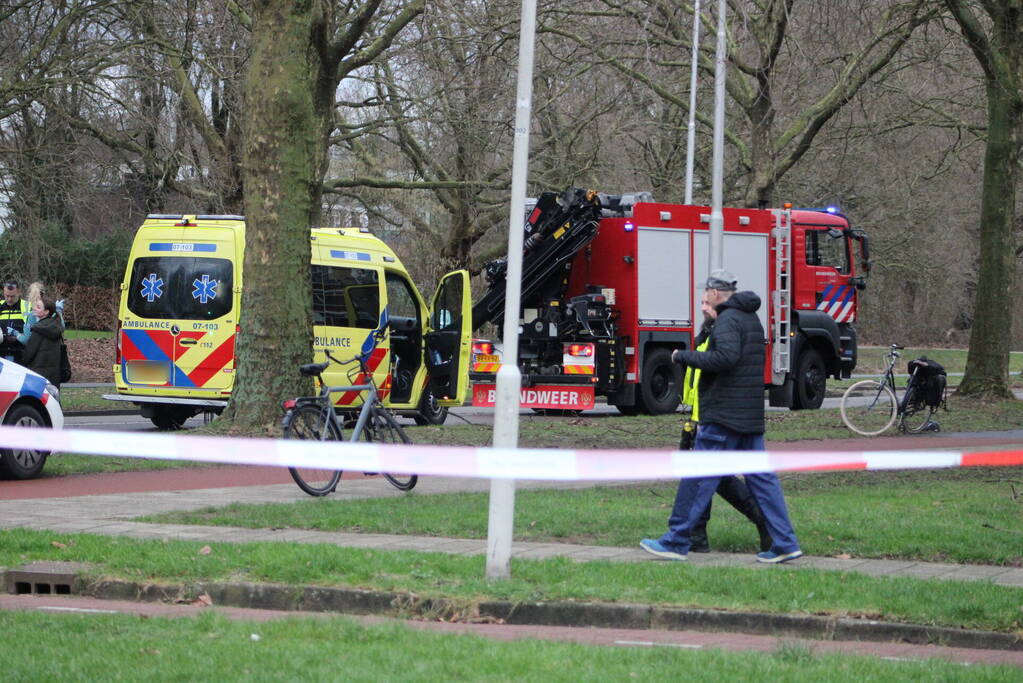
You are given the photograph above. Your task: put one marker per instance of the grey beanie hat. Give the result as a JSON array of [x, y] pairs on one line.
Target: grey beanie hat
[[722, 281]]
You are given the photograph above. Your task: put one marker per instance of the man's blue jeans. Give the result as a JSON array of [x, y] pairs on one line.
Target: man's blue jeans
[[693, 496]]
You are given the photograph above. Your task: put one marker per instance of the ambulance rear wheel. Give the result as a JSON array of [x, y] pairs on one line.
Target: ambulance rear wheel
[[662, 382], [170, 419]]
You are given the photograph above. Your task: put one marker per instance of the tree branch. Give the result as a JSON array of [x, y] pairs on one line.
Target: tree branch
[[387, 183]]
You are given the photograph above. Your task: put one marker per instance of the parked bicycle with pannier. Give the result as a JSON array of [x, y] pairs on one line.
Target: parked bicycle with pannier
[[870, 407]]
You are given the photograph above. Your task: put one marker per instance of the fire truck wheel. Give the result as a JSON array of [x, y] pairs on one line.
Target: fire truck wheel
[[634, 409], [430, 412], [662, 381], [811, 379]]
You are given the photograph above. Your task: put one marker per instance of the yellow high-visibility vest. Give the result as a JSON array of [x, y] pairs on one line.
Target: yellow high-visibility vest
[[691, 383], [8, 315]]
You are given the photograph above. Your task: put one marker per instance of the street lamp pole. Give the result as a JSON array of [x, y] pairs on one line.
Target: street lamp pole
[[509, 380], [717, 216]]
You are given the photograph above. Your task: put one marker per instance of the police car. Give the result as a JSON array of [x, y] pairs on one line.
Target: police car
[[26, 400]]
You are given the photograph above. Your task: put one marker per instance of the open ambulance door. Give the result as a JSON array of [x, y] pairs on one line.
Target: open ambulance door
[[449, 339]]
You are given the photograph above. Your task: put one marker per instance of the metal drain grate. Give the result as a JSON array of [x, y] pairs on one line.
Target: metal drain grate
[[45, 578]]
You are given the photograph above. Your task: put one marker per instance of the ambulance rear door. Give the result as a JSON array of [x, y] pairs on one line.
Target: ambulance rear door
[[179, 320], [448, 341]]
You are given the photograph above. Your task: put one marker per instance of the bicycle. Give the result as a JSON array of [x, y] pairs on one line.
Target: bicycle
[[869, 406], [315, 418]]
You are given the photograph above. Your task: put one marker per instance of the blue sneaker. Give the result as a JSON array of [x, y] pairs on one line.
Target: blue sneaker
[[662, 551], [771, 557]]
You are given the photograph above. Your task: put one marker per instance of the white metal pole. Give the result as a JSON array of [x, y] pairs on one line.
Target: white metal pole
[[691, 134], [717, 217], [509, 379]]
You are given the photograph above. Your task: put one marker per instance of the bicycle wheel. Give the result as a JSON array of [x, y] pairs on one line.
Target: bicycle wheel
[[311, 423], [916, 414], [868, 407], [383, 428]]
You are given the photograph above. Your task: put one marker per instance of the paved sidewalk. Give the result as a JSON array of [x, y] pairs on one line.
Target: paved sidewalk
[[111, 515]]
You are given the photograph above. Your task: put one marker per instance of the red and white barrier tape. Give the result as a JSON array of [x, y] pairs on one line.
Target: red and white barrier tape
[[500, 463]]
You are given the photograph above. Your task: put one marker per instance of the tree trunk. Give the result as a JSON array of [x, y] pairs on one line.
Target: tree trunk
[[283, 151], [1000, 53], [760, 193], [987, 364]]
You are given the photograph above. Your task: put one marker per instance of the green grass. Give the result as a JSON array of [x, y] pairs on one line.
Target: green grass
[[871, 359], [89, 398], [66, 464], [800, 591], [963, 415], [213, 648], [88, 334], [969, 515], [661, 432]]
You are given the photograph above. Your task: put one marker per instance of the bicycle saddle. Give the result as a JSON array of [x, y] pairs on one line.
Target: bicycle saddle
[[313, 369]]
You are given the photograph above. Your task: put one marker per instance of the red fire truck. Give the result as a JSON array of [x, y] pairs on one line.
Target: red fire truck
[[611, 285]]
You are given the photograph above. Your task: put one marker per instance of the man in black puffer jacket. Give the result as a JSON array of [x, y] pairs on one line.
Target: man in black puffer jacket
[[731, 394]]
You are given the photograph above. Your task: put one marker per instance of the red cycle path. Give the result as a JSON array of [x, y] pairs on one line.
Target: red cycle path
[[688, 639], [231, 475], [152, 480]]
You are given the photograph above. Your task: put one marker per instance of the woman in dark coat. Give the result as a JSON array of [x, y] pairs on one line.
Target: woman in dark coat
[[42, 350]]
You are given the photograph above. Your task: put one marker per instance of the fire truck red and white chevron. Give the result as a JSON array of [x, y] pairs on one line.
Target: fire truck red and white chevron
[[837, 301]]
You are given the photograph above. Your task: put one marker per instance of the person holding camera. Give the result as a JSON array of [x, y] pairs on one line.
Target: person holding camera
[[731, 391], [36, 291], [42, 351], [732, 488]]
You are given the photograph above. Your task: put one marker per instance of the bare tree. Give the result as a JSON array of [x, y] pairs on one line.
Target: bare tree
[[300, 53], [441, 125], [52, 51], [785, 78], [994, 32]]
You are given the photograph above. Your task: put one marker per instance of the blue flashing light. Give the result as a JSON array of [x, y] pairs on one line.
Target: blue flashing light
[[832, 209], [629, 226]]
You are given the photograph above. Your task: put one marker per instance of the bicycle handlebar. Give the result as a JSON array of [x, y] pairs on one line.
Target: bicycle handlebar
[[343, 362], [316, 369]]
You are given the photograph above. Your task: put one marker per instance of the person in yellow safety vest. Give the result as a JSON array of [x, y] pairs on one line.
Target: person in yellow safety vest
[[13, 314], [733, 489]]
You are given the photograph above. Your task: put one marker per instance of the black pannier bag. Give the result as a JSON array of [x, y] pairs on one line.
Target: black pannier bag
[[931, 378]]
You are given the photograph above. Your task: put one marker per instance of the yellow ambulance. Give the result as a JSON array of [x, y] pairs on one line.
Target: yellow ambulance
[[180, 316]]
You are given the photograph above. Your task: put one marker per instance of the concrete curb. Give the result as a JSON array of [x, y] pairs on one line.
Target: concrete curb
[[592, 615]]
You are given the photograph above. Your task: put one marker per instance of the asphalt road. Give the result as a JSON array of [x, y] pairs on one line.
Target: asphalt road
[[465, 414]]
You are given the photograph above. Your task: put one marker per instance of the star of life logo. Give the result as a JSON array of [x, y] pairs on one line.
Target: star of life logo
[[152, 287], [205, 289]]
